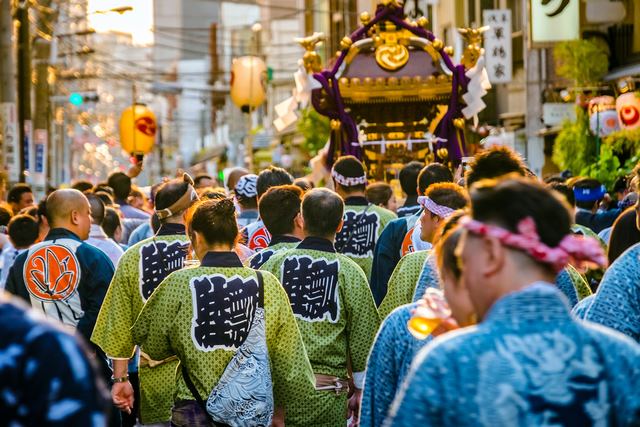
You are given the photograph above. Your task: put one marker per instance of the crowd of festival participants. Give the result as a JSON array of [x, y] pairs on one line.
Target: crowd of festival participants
[[262, 300]]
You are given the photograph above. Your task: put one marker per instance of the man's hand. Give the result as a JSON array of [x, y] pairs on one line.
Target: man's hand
[[278, 417], [122, 396], [135, 170], [353, 408]]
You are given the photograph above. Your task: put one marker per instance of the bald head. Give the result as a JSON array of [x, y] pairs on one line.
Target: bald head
[[234, 175], [69, 209]]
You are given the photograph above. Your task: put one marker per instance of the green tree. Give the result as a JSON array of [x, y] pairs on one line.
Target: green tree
[[575, 148], [315, 130], [583, 62]]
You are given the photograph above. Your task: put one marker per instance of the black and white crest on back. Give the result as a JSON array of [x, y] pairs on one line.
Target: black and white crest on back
[[312, 286], [260, 258], [223, 310], [158, 259], [358, 235]]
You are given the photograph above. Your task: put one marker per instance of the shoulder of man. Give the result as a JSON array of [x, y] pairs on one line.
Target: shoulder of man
[[385, 214], [89, 254]]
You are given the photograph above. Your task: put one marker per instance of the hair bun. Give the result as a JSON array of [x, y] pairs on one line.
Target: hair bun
[[225, 206]]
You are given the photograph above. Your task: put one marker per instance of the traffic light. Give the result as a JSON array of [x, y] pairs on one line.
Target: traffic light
[[79, 98]]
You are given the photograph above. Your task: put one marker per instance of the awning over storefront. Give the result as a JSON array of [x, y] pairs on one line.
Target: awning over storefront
[[625, 71]]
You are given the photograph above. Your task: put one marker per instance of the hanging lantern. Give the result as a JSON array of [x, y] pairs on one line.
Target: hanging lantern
[[248, 82], [138, 128], [628, 107], [603, 117]]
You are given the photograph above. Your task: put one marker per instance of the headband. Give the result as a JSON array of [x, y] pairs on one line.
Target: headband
[[434, 208], [589, 194], [572, 248], [247, 186], [182, 203], [348, 181]]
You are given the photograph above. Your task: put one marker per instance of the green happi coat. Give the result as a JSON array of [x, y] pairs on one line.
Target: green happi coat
[[277, 244], [174, 322], [337, 317], [403, 281], [139, 272], [363, 225]]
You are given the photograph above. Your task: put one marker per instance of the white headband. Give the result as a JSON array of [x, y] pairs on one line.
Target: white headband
[[434, 208], [348, 181]]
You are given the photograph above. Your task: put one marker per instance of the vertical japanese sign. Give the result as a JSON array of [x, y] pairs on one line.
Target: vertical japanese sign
[[553, 21], [11, 140], [39, 168], [497, 45]]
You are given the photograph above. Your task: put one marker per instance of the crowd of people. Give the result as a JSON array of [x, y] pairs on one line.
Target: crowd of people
[[267, 300]]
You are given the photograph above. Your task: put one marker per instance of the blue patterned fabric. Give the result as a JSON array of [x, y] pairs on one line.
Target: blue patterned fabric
[[243, 396], [617, 302], [45, 377], [581, 308], [429, 277], [529, 363], [565, 284], [388, 364]]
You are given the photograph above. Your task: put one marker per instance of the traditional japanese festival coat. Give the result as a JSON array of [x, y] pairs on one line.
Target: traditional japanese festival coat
[[140, 270], [393, 244], [64, 278], [363, 225], [337, 317], [617, 302], [405, 277], [278, 243], [389, 363], [256, 236], [204, 314], [529, 363]]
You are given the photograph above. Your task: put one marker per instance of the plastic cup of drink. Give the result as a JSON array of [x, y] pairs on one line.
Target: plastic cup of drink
[[431, 311]]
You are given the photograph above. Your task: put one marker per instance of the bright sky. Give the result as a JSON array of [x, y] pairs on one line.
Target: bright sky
[[137, 22]]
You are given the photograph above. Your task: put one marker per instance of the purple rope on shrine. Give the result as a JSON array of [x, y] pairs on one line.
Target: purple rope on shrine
[[329, 83]]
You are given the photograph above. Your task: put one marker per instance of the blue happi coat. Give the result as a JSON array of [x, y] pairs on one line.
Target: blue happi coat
[[429, 277], [617, 302], [388, 364], [529, 363]]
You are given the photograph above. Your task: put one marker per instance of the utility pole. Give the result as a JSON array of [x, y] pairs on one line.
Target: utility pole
[[42, 110], [214, 70], [7, 78], [24, 83], [7, 71]]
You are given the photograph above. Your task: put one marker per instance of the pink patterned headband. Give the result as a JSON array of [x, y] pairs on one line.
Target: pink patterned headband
[[434, 208], [348, 181], [572, 248]]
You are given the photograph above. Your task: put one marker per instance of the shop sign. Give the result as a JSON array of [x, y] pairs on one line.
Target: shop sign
[[554, 21], [497, 45]]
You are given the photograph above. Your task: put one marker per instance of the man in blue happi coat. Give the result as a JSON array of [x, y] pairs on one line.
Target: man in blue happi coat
[[528, 362]]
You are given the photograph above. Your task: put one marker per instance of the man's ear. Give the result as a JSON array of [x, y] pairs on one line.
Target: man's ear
[[74, 216], [496, 254], [340, 226], [298, 221]]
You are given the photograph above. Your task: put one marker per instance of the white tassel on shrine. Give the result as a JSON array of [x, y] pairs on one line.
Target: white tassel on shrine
[[476, 89]]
